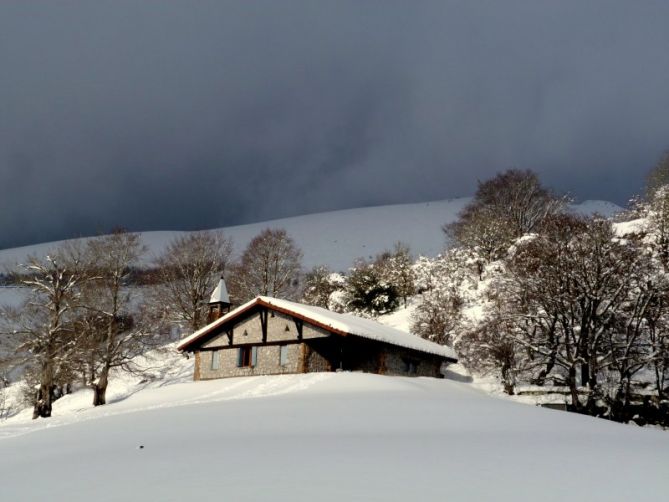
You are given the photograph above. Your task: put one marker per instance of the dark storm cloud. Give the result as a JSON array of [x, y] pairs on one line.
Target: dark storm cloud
[[188, 115]]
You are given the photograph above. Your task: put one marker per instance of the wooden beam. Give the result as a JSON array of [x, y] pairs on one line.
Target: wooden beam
[[303, 364], [314, 322], [196, 372], [299, 324], [263, 324], [212, 329]]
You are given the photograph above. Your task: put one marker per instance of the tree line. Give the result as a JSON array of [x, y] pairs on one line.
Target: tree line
[[527, 291], [538, 295], [85, 315], [94, 306]]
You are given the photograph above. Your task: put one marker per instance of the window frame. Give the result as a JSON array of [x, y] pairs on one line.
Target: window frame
[[283, 355], [247, 356], [215, 363]]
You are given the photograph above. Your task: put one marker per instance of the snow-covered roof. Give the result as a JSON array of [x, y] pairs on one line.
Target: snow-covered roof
[[220, 294], [347, 324]]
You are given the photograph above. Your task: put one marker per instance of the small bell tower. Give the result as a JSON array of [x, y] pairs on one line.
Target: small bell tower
[[219, 303]]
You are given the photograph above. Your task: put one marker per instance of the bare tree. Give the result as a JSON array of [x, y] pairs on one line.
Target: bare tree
[[508, 206], [44, 321], [110, 328], [657, 319], [568, 298], [489, 349], [655, 236], [187, 273], [657, 177], [479, 228], [270, 266]]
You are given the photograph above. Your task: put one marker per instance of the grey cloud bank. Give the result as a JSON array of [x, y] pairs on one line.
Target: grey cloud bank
[[185, 115]]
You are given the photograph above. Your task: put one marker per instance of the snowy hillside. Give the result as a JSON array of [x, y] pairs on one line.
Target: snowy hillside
[[326, 437], [337, 238]]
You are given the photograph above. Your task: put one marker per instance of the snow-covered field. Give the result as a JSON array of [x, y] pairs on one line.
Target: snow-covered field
[[321, 436], [337, 238], [328, 436], [325, 436]]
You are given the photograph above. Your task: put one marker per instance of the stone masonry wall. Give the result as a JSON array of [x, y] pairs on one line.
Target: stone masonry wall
[[320, 352], [279, 328], [394, 364], [316, 362], [268, 362], [302, 358]]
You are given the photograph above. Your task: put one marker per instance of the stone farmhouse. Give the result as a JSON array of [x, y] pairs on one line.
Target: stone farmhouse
[[268, 336]]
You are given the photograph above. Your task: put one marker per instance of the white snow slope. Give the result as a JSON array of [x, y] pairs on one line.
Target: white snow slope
[[337, 238], [328, 437]]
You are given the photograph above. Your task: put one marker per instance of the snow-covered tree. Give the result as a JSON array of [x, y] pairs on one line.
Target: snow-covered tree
[[443, 283], [319, 285], [396, 268], [655, 211], [657, 321], [44, 323], [569, 299], [653, 231], [367, 293]]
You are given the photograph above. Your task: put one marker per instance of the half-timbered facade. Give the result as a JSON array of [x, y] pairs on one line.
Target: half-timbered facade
[[268, 336]]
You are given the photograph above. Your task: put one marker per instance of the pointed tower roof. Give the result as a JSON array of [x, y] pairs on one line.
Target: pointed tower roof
[[220, 294]]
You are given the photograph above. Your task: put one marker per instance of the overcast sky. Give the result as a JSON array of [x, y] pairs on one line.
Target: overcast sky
[[185, 115]]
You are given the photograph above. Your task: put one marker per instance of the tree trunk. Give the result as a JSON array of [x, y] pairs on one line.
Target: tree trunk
[[509, 387], [585, 374], [659, 382], [43, 403], [100, 388], [541, 377], [573, 389]]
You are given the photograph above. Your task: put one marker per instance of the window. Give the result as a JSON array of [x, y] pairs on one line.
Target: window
[[283, 355], [216, 360], [247, 357]]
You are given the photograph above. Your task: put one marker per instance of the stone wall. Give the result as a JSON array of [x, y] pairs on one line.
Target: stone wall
[[315, 361], [268, 362], [310, 357], [317, 351], [280, 327], [395, 363]]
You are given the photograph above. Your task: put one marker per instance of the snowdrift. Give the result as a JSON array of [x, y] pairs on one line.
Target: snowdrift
[[327, 436]]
